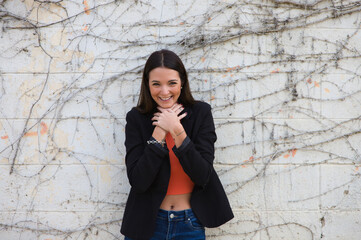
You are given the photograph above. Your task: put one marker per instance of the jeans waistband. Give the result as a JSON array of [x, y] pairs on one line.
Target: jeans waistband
[[175, 215]]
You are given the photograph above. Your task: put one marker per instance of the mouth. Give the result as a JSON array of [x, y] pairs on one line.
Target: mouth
[[165, 99]]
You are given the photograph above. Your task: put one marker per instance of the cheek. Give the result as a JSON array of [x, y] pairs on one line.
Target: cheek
[[179, 91], [176, 90]]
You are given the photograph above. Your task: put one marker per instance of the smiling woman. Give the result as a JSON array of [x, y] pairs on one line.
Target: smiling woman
[[169, 139], [165, 86], [156, 70]]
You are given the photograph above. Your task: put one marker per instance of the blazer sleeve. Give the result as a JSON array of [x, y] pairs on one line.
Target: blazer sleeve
[[197, 155], [142, 160]]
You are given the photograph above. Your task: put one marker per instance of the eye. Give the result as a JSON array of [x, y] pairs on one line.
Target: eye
[[173, 83], [155, 84]]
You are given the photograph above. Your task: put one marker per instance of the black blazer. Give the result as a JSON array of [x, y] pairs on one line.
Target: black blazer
[[148, 170]]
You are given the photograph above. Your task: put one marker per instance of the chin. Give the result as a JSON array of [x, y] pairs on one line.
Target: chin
[[167, 105]]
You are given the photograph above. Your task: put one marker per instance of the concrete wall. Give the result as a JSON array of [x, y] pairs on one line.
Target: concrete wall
[[283, 78]]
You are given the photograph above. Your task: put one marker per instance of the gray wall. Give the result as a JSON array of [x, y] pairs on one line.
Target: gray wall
[[283, 79]]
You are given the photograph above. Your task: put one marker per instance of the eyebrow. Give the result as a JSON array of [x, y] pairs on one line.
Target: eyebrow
[[171, 80]]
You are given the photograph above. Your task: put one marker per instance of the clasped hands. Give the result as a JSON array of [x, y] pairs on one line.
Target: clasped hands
[[168, 120]]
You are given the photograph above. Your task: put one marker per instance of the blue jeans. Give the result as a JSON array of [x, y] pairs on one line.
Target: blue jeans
[[177, 225]]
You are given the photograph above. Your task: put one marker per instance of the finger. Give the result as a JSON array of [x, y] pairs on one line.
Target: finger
[[182, 116], [179, 110], [175, 106], [181, 107]]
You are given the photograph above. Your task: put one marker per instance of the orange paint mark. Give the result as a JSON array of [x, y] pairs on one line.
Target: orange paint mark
[[286, 156], [205, 80], [44, 128], [181, 23], [276, 71], [5, 137], [224, 76], [327, 90], [85, 28], [294, 152], [203, 59], [251, 159], [244, 166], [86, 7], [213, 97], [316, 84], [309, 80], [29, 134], [356, 169], [232, 68], [209, 19]]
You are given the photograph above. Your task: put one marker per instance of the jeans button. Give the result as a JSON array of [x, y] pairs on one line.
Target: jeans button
[[171, 215]]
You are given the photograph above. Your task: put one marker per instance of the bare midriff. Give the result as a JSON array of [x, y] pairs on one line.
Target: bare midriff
[[176, 202]]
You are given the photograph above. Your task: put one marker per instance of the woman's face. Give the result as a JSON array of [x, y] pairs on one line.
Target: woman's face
[[165, 86]]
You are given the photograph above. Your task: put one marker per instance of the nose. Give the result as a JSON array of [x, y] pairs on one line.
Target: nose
[[164, 90]]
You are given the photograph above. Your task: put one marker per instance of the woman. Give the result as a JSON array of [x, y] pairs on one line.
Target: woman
[[175, 191]]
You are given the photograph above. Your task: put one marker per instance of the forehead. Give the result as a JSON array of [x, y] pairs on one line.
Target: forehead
[[162, 73]]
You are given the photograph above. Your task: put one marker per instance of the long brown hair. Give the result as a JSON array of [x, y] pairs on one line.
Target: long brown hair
[[167, 59]]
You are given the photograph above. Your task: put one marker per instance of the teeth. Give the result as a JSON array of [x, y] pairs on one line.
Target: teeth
[[164, 99]]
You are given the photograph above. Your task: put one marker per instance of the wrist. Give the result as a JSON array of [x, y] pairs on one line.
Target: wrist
[[177, 131], [159, 134]]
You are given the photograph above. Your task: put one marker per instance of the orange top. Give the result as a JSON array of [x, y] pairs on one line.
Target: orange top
[[179, 182]]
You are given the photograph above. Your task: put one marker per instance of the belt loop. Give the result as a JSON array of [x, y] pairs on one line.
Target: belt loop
[[186, 214]]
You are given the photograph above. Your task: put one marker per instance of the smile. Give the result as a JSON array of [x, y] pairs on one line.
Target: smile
[[165, 99]]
